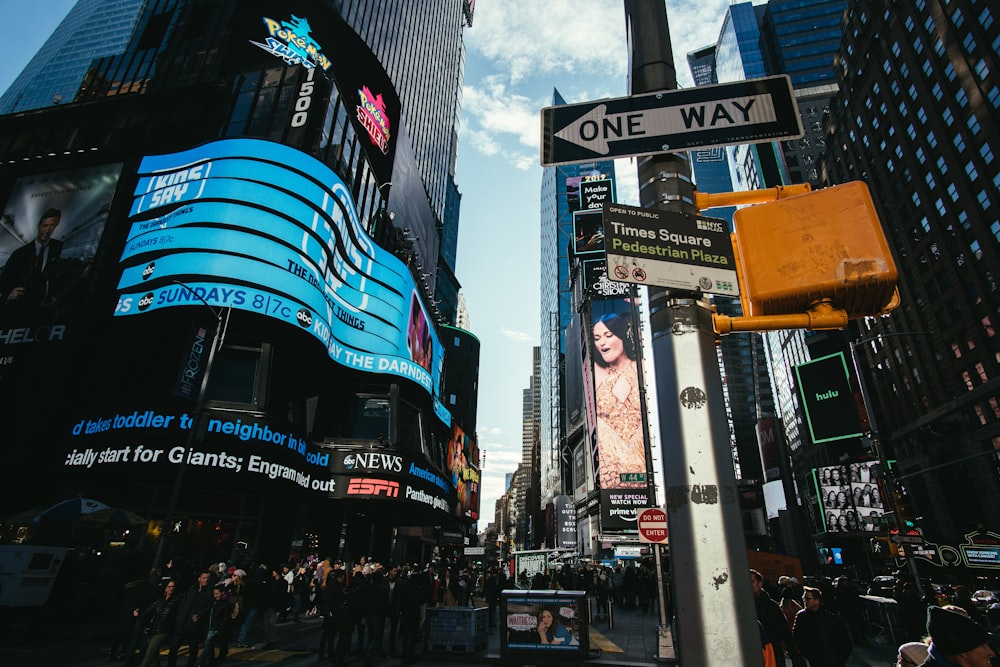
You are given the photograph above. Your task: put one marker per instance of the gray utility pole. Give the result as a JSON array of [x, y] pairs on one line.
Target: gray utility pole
[[713, 602]]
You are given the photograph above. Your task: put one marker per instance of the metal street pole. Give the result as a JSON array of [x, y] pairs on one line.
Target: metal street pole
[[911, 562], [217, 336], [714, 609]]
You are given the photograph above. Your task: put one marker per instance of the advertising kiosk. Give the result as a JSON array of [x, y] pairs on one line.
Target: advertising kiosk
[[544, 622]]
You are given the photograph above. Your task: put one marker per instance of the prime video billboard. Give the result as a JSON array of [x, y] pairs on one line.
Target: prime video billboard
[[265, 228]]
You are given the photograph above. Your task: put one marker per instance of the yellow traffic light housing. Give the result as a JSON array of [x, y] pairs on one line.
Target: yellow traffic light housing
[[813, 260]]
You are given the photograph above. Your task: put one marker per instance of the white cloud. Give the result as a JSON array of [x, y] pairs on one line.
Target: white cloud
[[514, 334], [497, 108], [531, 38]]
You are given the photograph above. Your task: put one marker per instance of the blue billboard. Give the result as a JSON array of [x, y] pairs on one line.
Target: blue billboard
[[265, 228]]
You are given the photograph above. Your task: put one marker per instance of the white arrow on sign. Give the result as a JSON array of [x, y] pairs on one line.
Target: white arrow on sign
[[596, 129]]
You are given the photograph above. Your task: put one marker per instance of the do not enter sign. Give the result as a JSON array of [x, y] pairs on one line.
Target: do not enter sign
[[652, 525]]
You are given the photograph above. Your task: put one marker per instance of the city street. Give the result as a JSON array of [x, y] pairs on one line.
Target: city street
[[631, 641]]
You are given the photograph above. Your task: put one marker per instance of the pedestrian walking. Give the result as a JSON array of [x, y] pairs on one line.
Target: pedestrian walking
[[218, 625], [822, 637], [159, 621]]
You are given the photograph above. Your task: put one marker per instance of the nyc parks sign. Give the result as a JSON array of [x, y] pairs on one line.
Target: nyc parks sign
[[741, 112]]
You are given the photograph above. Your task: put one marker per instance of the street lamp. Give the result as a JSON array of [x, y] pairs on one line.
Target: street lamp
[[218, 335]]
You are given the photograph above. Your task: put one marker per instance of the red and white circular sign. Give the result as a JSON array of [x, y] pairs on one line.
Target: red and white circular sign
[[652, 525]]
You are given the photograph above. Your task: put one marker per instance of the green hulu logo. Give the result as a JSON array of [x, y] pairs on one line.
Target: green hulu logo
[[833, 393]]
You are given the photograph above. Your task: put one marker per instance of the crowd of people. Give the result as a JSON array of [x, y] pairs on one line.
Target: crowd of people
[[819, 621], [365, 608], [197, 615], [374, 610]]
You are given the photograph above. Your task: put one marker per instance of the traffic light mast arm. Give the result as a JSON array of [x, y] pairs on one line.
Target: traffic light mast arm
[[822, 315], [705, 200]]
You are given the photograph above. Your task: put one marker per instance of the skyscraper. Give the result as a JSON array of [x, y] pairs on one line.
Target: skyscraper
[[560, 197], [916, 119], [254, 201], [92, 29]]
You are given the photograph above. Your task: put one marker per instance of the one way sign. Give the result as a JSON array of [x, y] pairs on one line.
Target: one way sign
[[741, 112]]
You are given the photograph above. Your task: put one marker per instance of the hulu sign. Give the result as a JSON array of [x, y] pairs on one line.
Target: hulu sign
[[825, 388]]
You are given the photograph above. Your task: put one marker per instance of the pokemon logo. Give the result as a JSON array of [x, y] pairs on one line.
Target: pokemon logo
[[373, 117], [290, 40]]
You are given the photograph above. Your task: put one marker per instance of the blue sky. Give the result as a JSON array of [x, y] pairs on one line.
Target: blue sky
[[518, 51]]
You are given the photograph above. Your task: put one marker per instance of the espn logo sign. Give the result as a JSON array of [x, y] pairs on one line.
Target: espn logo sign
[[370, 486]]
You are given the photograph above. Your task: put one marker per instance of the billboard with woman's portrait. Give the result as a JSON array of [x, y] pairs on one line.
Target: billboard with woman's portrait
[[544, 621], [620, 453]]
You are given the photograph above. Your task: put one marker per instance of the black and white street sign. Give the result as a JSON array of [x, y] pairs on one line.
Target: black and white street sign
[[667, 249], [741, 112]]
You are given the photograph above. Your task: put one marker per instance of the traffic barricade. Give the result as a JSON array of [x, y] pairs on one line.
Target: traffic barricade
[[457, 629]]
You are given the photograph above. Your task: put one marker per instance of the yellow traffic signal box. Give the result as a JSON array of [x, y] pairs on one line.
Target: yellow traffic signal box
[[826, 244]]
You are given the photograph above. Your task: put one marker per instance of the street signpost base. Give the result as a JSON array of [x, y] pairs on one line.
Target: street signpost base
[[665, 651]]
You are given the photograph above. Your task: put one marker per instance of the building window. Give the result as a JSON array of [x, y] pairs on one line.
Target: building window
[[982, 70], [976, 249], [371, 417], [984, 199], [952, 192], [949, 118], [959, 142], [931, 140], [988, 327], [956, 350], [967, 379], [982, 372], [942, 165], [970, 169], [239, 376]]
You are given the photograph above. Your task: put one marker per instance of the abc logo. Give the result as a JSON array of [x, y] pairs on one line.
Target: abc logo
[[349, 461], [146, 301], [148, 271], [304, 317]]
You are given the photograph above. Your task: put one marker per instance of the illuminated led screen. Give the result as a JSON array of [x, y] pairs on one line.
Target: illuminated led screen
[[265, 228]]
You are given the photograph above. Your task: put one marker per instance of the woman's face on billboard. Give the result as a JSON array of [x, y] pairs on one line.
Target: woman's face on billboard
[[609, 345]]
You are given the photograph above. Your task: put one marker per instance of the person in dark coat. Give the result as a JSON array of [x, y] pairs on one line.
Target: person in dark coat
[[192, 619], [27, 278], [822, 637], [491, 589], [775, 625], [412, 597], [375, 607], [218, 624], [956, 641], [324, 601], [253, 591], [275, 600], [140, 597], [341, 602], [394, 583], [159, 621]]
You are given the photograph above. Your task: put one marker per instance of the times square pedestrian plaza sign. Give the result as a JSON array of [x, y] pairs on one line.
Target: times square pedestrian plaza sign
[[669, 249]]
